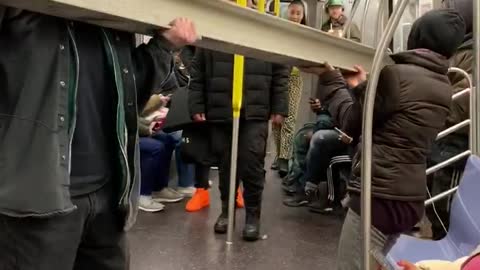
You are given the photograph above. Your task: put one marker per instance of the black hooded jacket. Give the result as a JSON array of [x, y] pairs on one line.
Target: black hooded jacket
[[412, 103], [463, 58], [465, 9], [265, 87]]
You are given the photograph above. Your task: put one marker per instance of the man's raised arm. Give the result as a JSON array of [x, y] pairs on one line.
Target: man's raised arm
[[154, 62]]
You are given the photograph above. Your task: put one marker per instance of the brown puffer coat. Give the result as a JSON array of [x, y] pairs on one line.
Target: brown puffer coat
[[460, 108], [457, 142], [412, 103]]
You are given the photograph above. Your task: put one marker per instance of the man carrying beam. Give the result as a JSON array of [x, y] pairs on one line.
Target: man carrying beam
[[70, 93]]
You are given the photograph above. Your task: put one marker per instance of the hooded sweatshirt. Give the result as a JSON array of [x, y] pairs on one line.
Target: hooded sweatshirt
[[463, 58], [412, 103]]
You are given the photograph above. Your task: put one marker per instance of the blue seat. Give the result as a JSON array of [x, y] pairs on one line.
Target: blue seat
[[464, 232]]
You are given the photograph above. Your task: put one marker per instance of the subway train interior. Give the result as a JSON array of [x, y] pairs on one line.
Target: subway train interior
[[294, 237]]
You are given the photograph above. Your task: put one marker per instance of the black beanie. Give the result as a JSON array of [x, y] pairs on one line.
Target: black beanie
[[441, 31]]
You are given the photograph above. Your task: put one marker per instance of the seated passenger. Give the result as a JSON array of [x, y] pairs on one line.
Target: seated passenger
[[411, 105], [471, 262], [457, 142], [324, 145], [337, 20], [156, 149], [296, 171]]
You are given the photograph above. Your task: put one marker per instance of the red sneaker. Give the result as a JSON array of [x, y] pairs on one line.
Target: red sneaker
[[200, 200]]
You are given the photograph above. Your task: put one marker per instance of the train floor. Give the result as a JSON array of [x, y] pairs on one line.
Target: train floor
[[176, 240]]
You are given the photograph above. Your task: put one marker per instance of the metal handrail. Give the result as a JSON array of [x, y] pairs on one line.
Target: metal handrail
[[475, 96], [367, 126], [448, 162], [453, 129], [464, 123], [347, 27], [440, 196], [380, 20], [464, 73], [461, 93], [364, 18]]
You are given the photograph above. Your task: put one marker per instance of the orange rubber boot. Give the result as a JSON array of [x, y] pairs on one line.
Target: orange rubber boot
[[240, 202], [200, 200]]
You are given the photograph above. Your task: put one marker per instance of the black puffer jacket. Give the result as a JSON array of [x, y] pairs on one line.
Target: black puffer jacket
[[265, 87], [412, 103]]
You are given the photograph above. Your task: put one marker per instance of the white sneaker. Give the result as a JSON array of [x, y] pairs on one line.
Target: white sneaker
[[167, 195], [147, 204], [186, 191]]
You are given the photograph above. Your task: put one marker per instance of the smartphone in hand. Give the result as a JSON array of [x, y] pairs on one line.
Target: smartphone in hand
[[344, 137]]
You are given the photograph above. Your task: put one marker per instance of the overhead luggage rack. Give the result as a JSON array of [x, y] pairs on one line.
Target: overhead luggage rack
[[223, 26]]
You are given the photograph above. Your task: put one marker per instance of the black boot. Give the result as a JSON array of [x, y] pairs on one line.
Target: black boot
[[251, 232], [221, 225], [275, 164], [322, 205], [282, 167]]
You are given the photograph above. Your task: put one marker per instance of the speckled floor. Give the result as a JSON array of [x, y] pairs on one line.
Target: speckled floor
[[176, 240]]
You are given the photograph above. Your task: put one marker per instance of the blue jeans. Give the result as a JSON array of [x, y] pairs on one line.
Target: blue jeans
[[323, 146], [155, 155]]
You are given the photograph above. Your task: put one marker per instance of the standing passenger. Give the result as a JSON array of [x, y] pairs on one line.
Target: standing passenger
[[411, 105], [265, 96], [284, 134], [69, 163]]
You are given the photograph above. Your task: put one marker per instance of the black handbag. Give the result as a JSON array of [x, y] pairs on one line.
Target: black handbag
[[178, 116], [196, 147]]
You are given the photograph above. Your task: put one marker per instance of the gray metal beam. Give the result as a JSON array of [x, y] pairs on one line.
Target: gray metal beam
[[222, 25]]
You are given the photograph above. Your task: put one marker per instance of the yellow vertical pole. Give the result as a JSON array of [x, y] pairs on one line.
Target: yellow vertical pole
[[238, 66], [238, 69], [261, 6], [276, 8]]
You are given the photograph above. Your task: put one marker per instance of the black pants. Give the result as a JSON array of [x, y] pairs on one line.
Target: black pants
[[202, 173], [89, 238], [324, 145], [251, 159], [444, 179]]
